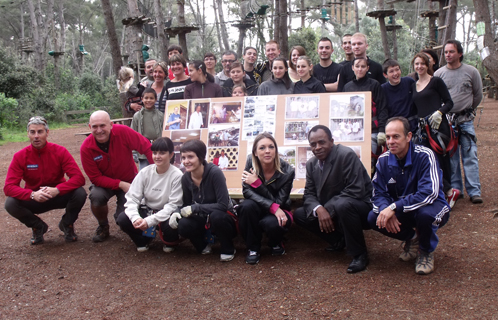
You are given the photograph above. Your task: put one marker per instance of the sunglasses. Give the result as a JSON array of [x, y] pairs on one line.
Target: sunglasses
[[37, 118]]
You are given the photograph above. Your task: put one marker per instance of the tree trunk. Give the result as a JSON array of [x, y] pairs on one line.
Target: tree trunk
[[223, 27], [482, 11], [163, 39], [62, 24], [356, 18], [450, 32], [395, 39], [383, 34], [284, 37], [240, 41], [303, 14], [218, 32], [182, 37], [35, 33], [117, 62], [52, 34], [276, 22]]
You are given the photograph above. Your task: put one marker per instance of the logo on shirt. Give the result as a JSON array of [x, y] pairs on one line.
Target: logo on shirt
[[98, 158], [391, 181], [32, 167]]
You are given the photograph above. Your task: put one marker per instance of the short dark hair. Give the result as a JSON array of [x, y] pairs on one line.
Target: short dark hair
[[389, 63], [347, 35], [229, 52], [174, 47], [210, 55], [149, 90], [164, 144], [322, 127], [178, 58], [249, 48], [360, 58], [326, 39], [458, 46], [237, 64], [404, 121], [196, 146]]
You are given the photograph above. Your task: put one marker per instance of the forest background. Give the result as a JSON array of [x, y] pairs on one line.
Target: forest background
[[58, 56]]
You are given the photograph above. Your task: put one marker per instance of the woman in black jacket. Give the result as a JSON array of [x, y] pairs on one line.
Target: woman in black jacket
[[205, 203], [267, 183]]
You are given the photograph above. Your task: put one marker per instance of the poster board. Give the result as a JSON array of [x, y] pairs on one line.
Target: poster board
[[229, 125]]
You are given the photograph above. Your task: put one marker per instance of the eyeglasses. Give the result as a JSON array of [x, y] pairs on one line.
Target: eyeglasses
[[37, 118], [227, 61]]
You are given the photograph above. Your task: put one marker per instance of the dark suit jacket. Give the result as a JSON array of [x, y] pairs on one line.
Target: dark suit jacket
[[343, 175]]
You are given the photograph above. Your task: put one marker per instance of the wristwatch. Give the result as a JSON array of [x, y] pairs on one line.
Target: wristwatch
[[392, 206], [33, 195]]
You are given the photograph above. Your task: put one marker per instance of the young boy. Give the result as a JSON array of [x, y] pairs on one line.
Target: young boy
[[148, 121], [398, 92], [237, 77]]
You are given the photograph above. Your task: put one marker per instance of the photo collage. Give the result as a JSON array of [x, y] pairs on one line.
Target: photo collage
[[223, 125]]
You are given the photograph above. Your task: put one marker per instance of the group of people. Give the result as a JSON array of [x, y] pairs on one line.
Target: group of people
[[408, 198], [407, 203]]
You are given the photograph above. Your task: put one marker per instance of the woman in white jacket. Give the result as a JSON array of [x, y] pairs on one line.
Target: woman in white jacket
[[155, 193]]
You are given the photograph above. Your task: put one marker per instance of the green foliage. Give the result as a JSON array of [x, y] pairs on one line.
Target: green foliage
[[8, 113], [307, 38]]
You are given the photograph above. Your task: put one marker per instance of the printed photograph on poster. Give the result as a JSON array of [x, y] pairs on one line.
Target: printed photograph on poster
[[224, 157], [259, 116], [303, 155], [198, 115], [288, 154], [179, 137], [347, 129], [356, 149], [176, 114], [302, 107], [296, 132], [225, 112], [347, 106], [223, 136]]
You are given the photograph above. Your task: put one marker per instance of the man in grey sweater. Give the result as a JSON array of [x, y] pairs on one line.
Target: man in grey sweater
[[465, 86]]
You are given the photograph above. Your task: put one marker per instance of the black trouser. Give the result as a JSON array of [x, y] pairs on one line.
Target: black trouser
[[253, 221], [350, 219], [99, 197], [136, 235], [222, 225], [26, 210]]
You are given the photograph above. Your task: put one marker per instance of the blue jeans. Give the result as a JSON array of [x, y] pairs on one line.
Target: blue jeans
[[467, 148]]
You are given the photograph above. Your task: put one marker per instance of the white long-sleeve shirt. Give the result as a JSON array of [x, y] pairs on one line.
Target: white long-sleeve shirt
[[161, 192]]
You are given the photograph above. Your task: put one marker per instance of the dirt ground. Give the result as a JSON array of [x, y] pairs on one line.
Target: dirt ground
[[111, 280]]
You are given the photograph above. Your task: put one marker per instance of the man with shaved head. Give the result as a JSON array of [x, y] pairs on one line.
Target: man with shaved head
[[107, 159]]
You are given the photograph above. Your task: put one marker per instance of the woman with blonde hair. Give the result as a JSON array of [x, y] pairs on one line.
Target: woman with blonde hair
[[267, 183]]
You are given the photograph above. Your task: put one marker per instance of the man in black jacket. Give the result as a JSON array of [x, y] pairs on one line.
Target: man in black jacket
[[336, 197], [360, 46]]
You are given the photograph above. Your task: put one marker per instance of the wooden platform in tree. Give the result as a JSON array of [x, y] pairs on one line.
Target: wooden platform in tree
[[391, 27], [135, 20], [430, 13], [174, 31], [381, 13]]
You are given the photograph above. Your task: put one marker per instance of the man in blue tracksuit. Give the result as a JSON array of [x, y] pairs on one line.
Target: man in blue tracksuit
[[408, 198]]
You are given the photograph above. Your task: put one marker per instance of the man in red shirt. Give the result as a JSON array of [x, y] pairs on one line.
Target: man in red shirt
[[106, 156], [42, 166]]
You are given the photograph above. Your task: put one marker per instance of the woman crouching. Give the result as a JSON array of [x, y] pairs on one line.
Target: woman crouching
[[206, 203], [267, 183], [154, 194]]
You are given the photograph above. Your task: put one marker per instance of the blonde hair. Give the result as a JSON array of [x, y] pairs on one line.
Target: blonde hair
[[125, 76]]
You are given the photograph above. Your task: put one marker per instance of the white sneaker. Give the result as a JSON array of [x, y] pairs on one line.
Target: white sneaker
[[168, 249], [207, 249], [143, 249], [227, 257]]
